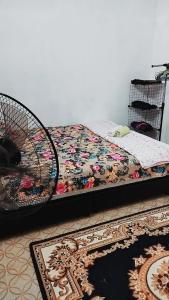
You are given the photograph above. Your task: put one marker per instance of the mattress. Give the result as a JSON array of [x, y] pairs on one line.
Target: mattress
[[86, 162]]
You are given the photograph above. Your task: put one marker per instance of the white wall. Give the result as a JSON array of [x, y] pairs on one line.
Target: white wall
[[72, 60], [161, 53]]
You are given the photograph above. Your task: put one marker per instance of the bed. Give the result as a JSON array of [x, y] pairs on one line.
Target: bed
[[87, 162], [94, 173]]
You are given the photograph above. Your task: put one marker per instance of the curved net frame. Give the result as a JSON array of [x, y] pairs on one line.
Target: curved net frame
[[36, 185]]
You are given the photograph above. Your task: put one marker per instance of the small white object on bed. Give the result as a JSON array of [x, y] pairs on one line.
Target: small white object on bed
[[149, 152]]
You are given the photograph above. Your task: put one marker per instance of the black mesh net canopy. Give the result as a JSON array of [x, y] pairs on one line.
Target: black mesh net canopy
[[27, 178]]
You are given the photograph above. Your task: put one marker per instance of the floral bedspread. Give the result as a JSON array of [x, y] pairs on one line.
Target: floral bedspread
[[87, 160]]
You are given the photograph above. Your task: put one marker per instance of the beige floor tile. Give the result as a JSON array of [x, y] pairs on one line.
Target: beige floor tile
[[17, 276]]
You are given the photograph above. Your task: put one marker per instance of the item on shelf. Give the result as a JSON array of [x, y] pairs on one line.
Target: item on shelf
[[145, 82], [143, 105], [163, 75], [141, 126], [121, 131]]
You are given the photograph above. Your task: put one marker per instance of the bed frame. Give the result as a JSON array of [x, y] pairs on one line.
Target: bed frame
[[82, 204]]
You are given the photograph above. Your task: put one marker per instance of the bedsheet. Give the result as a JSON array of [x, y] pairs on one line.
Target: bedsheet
[[86, 161]]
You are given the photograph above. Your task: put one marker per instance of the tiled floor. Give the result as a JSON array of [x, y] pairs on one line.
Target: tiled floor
[[17, 276]]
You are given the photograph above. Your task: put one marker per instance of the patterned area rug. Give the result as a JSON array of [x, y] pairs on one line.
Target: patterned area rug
[[123, 259]]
